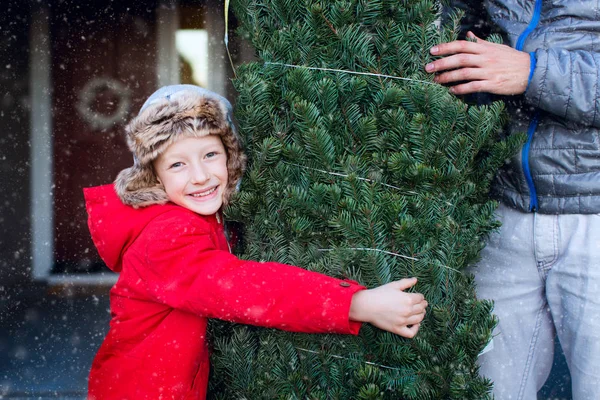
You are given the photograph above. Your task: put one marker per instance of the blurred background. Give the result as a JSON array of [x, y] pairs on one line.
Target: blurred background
[[72, 73]]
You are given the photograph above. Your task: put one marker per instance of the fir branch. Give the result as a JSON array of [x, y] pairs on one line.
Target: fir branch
[[329, 24]]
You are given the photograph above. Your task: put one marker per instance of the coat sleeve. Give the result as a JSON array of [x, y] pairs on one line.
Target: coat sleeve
[[183, 268], [565, 83]]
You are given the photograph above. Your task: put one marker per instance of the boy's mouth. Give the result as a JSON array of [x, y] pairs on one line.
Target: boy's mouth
[[204, 193]]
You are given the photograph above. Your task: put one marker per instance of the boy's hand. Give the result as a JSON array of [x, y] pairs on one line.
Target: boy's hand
[[480, 66], [389, 308]]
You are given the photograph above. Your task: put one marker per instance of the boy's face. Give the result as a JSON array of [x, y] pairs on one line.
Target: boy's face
[[194, 173]]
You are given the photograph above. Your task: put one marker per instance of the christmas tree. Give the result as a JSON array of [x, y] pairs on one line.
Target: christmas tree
[[361, 167]]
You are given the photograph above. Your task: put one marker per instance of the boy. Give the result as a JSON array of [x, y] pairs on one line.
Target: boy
[[160, 227]]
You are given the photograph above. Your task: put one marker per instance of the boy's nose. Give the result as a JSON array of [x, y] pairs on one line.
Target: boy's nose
[[199, 174]]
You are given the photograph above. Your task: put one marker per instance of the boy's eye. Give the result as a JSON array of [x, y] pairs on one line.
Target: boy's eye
[[175, 165], [211, 154]]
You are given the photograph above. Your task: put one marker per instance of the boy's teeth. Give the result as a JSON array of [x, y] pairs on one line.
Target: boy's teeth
[[204, 193]]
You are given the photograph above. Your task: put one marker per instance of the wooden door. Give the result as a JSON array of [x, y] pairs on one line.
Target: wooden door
[[103, 67]]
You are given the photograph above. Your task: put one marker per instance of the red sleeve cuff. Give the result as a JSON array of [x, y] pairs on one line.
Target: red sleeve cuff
[[353, 327]]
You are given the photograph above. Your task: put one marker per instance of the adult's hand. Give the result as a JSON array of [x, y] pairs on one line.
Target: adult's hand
[[480, 66]]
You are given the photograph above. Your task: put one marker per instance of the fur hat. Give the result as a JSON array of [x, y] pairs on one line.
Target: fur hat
[[170, 113]]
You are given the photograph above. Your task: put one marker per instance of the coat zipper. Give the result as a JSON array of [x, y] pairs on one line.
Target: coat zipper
[[533, 202]]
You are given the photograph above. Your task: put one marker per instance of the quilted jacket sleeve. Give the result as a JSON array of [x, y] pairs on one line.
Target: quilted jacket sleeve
[[182, 268], [565, 83]]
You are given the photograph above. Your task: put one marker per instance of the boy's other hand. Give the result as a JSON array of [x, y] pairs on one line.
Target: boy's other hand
[[389, 308], [480, 66]]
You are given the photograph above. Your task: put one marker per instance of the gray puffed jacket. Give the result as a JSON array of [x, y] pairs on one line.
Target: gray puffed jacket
[[558, 169]]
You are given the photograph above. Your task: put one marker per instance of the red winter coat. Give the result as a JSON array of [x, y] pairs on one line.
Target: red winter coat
[[175, 273]]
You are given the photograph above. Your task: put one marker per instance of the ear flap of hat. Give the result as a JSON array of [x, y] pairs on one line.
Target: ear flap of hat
[[138, 187]]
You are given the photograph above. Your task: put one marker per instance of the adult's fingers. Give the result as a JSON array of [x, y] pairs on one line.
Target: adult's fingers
[[458, 46], [472, 87], [461, 60], [463, 74]]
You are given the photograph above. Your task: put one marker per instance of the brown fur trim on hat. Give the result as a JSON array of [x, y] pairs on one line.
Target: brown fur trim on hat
[[138, 187], [163, 123]]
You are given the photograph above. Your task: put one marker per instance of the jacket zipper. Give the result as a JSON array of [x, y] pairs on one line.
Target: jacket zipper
[[537, 11], [533, 202]]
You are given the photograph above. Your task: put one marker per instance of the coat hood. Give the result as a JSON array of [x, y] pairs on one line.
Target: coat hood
[[113, 225]]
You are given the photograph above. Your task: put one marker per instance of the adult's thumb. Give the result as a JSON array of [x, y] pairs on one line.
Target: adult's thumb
[[471, 35]]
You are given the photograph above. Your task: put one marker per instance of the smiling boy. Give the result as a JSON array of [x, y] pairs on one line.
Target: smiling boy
[[159, 226]]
